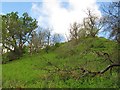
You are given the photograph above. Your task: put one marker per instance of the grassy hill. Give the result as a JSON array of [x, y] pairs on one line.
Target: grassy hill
[[59, 68]]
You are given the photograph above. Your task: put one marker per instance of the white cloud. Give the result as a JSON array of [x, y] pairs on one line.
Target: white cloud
[[52, 14], [1, 13]]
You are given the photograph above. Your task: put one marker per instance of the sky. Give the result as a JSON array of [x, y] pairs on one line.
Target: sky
[[55, 14], [59, 15]]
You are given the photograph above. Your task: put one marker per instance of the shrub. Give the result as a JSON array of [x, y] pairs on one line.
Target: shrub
[[47, 49], [9, 56], [57, 45]]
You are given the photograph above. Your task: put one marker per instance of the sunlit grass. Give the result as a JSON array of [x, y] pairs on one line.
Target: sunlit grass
[[28, 72]]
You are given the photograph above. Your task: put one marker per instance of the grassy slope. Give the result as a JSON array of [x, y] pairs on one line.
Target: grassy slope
[[27, 72]]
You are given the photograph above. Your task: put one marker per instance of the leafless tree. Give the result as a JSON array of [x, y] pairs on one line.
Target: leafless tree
[[34, 43], [74, 30], [56, 38], [48, 35], [112, 21], [112, 15], [92, 23], [90, 26]]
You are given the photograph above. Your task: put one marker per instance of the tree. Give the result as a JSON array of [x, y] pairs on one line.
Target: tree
[[92, 23], [74, 30], [111, 13], [16, 31], [56, 38], [90, 26], [34, 43], [47, 32], [41, 36]]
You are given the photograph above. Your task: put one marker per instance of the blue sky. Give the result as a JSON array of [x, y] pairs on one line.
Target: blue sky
[[23, 6], [20, 7]]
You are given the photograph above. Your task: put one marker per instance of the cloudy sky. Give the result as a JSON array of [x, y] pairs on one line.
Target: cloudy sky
[[55, 14]]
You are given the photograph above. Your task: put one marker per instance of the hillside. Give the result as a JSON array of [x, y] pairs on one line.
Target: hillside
[[61, 66]]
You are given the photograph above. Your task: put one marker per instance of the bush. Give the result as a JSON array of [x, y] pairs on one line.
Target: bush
[[13, 56], [9, 56], [5, 58], [25, 49], [47, 49], [57, 45]]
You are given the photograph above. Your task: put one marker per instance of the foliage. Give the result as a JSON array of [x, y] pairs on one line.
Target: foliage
[[16, 32]]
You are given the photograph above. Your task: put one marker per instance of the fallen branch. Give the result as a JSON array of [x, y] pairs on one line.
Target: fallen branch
[[100, 72], [108, 57], [108, 67], [103, 54], [69, 72]]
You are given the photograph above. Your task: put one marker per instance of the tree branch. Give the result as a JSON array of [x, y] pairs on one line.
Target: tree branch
[[94, 73], [108, 67]]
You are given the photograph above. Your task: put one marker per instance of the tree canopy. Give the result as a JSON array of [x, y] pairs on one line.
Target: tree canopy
[[16, 31]]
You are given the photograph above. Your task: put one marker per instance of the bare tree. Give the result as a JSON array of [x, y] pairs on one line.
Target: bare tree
[[34, 43], [112, 21], [47, 32], [112, 15], [92, 23], [41, 36], [90, 26], [74, 30], [56, 38]]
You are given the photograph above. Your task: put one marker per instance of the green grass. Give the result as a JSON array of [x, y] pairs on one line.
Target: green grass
[[28, 71]]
